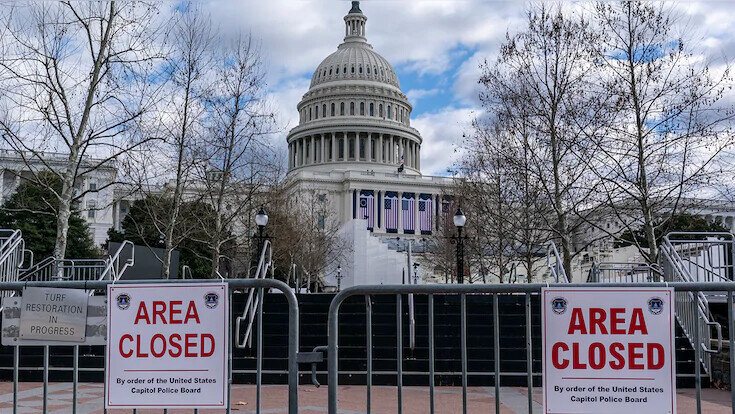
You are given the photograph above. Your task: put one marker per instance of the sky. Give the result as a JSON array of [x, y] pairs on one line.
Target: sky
[[436, 47]]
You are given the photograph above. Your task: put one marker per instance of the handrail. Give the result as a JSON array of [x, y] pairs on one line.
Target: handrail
[[688, 318], [252, 304], [113, 262], [12, 255], [184, 270], [557, 269]]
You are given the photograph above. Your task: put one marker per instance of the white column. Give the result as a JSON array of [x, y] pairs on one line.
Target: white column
[[322, 151], [2, 185], [116, 224], [379, 150], [392, 153], [370, 148]]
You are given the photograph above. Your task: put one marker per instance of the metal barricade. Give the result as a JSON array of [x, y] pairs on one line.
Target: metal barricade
[[259, 285], [691, 289]]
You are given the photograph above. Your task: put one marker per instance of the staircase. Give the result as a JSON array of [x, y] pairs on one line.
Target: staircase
[[12, 254], [368, 260]]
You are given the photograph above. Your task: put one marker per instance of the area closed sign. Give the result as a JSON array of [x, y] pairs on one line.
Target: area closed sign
[[167, 346], [608, 350]]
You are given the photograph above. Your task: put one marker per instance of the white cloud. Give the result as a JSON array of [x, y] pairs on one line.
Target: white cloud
[[442, 132], [415, 94]]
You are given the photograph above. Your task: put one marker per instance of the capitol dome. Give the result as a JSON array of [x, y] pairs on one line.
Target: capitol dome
[[355, 60], [354, 115]]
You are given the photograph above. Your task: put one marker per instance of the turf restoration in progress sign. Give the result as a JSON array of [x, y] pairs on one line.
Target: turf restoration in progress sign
[[167, 346], [608, 350]]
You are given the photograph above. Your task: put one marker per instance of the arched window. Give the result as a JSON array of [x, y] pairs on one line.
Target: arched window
[[352, 108], [344, 70], [342, 108], [362, 108], [309, 114], [332, 109], [352, 69], [316, 112], [341, 147], [330, 71], [368, 68], [360, 69], [324, 110], [372, 109], [380, 110], [388, 109]]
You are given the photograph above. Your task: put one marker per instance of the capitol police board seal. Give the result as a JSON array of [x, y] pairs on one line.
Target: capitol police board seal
[[167, 346], [608, 350]]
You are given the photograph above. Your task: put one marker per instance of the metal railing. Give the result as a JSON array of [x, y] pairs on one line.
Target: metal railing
[[254, 305], [50, 269], [557, 267], [707, 257], [682, 289], [50, 363], [111, 268], [12, 254], [692, 308], [622, 272]]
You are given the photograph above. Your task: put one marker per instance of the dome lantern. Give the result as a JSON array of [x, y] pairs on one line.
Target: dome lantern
[[355, 24]]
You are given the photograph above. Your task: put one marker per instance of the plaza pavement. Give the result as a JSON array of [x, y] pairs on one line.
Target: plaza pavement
[[314, 400]]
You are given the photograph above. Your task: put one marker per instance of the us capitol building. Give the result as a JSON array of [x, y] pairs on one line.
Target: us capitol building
[[355, 148]]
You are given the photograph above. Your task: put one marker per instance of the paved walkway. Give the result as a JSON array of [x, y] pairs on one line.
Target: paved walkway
[[314, 400]]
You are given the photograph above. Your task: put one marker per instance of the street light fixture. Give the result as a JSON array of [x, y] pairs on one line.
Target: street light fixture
[[261, 219], [415, 273], [459, 221]]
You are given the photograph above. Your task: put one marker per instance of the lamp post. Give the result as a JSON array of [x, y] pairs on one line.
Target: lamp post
[[261, 219], [415, 273], [339, 278], [459, 222]]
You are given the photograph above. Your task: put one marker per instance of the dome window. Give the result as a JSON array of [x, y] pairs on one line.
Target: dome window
[[344, 70], [324, 110], [372, 109], [388, 109], [352, 108], [360, 69], [332, 113], [316, 112], [352, 69], [380, 110], [330, 71], [342, 108], [309, 114], [368, 70], [362, 108]]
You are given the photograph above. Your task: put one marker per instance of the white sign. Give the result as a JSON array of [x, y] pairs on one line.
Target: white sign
[[167, 346], [608, 350], [50, 314]]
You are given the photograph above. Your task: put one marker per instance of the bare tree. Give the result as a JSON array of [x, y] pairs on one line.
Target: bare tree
[[670, 131], [75, 76], [165, 170], [238, 154], [546, 70]]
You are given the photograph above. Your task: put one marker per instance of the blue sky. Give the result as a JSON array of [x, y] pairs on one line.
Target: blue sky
[[435, 46]]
